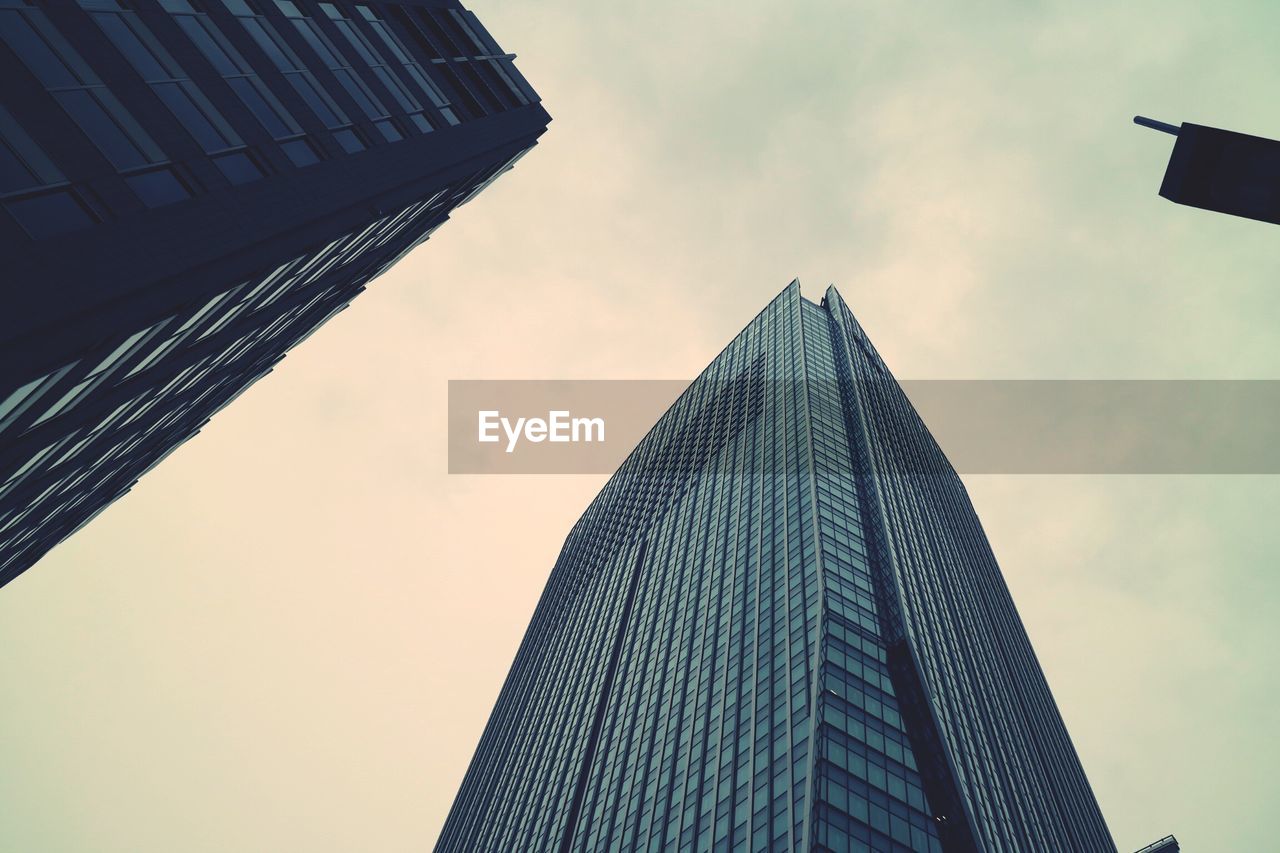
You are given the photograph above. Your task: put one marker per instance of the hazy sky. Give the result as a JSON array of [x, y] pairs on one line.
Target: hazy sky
[[290, 635]]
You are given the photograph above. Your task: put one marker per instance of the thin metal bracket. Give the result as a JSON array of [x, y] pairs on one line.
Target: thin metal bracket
[[1156, 125]]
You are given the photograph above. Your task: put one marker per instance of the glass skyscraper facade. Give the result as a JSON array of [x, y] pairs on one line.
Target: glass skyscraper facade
[[188, 188], [778, 627]]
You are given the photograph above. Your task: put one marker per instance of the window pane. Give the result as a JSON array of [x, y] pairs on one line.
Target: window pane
[[388, 130], [152, 358], [195, 29], [357, 41], [33, 461], [432, 90], [272, 118], [464, 26], [133, 49], [318, 43], [511, 86], [397, 90], [349, 141], [200, 315], [388, 38], [307, 89], [477, 29], [128, 125], [49, 214], [269, 45], [33, 50], [299, 152], [421, 122], [119, 351], [68, 400], [13, 174], [100, 128], [158, 188], [193, 119], [238, 168], [30, 156], [360, 93], [11, 402]]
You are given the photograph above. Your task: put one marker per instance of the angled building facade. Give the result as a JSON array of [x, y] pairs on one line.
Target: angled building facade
[[778, 627], [188, 188]]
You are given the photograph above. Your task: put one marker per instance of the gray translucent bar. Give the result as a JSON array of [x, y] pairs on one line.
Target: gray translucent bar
[[981, 426]]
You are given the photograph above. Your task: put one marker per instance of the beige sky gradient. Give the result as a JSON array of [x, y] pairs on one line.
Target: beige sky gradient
[[290, 635]]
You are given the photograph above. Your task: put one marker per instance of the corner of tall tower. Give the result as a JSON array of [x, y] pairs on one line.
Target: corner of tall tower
[[833, 303]]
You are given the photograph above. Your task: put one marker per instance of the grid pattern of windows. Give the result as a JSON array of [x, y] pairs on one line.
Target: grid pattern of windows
[[97, 111], [395, 66], [716, 662], [331, 58], [32, 189], [411, 68], [304, 82], [378, 65], [243, 80], [870, 790], [493, 66], [1014, 773], [172, 86], [662, 698], [76, 87], [77, 438], [483, 79], [128, 327]]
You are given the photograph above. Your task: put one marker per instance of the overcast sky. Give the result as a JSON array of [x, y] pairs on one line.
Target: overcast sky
[[290, 635]]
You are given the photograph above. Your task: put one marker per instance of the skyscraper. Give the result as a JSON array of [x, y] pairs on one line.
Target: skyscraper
[[188, 188], [778, 627]]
